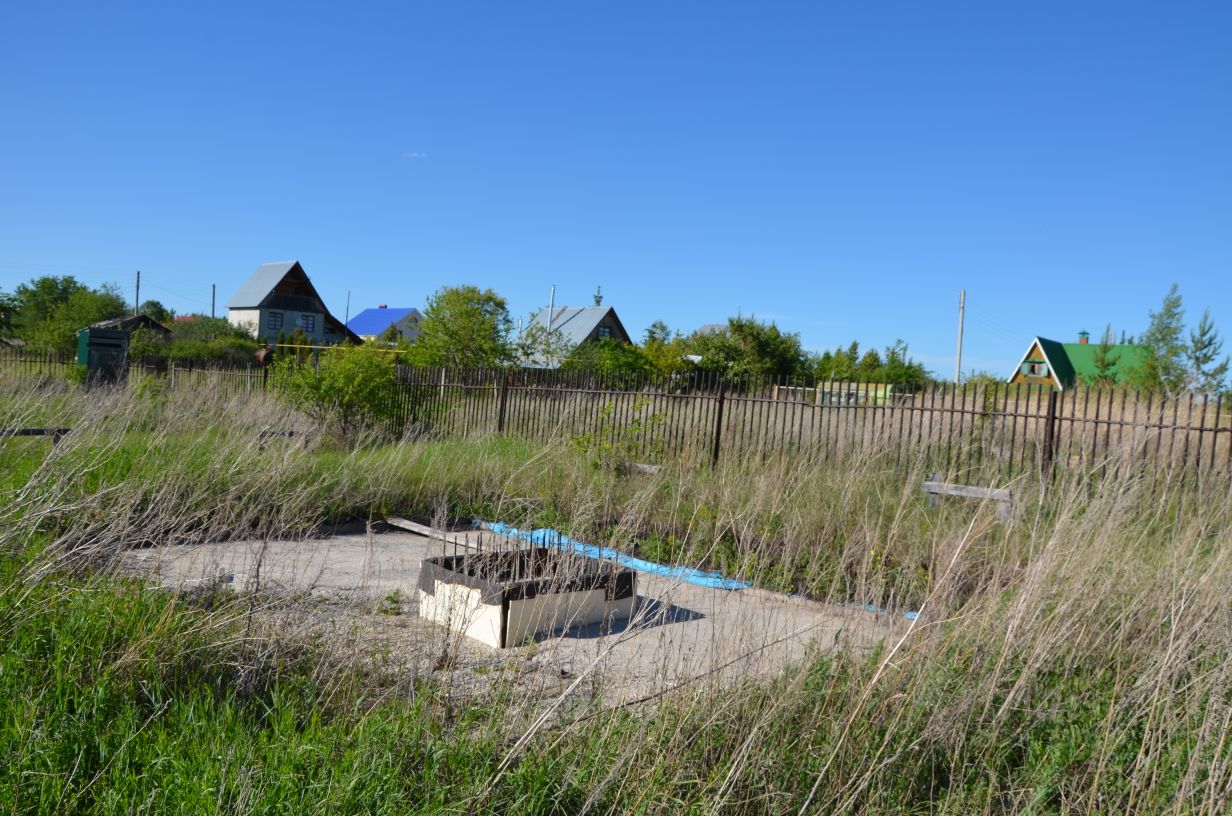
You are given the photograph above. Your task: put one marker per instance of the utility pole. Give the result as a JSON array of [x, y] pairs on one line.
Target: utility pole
[[213, 296], [962, 305], [347, 319], [137, 295]]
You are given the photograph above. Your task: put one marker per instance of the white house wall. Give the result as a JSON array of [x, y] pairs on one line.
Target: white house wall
[[246, 319]]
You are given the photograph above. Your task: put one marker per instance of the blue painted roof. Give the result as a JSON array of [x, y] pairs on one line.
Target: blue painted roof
[[375, 321]]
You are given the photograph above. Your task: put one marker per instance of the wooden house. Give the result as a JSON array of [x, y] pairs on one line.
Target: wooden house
[[278, 299], [1053, 364]]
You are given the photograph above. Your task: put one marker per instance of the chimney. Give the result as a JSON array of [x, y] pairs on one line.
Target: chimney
[[1084, 337]]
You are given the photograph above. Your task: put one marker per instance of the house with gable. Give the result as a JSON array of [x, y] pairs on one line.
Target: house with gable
[[570, 326], [1052, 364], [372, 323], [278, 299]]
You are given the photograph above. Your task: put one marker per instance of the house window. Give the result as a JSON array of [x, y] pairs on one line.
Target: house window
[[1035, 368], [604, 332], [308, 323], [273, 321]]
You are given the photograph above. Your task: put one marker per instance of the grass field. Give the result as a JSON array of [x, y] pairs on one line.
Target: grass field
[[1073, 660]]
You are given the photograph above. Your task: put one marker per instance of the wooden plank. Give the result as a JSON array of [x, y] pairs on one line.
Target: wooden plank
[[996, 494]]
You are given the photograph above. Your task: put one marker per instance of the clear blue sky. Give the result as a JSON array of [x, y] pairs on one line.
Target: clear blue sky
[[841, 168]]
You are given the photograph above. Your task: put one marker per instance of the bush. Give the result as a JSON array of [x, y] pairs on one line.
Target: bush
[[350, 390]]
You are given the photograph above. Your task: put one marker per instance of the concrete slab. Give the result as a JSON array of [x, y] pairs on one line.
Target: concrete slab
[[679, 633]]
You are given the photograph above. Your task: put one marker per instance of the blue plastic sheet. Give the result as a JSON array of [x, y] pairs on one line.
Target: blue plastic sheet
[[878, 610], [546, 537]]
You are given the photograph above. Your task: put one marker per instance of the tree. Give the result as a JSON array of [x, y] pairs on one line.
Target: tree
[[464, 327], [657, 332], [749, 348], [1104, 358], [665, 349], [609, 358], [204, 327], [8, 309], [899, 368], [869, 367], [1165, 364], [352, 389], [1205, 346], [538, 345], [157, 311], [893, 365], [57, 331], [36, 301]]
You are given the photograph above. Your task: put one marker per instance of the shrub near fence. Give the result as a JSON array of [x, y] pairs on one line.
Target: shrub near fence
[[999, 430]]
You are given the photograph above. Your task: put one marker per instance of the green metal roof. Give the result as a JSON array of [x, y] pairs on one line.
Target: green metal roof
[[1127, 358], [1058, 360]]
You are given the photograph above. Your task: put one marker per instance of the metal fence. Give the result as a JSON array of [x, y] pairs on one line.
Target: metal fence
[[999, 428], [993, 428]]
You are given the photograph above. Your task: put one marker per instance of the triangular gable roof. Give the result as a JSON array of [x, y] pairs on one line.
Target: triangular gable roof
[[375, 321], [575, 324], [253, 294], [1059, 368], [1070, 364], [263, 281]]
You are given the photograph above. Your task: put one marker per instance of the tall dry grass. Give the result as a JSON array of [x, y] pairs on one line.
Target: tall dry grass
[[1072, 660]]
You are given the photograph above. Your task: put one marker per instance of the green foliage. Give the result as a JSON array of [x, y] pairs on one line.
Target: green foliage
[[747, 347], [1165, 368], [49, 311], [351, 390], [204, 327], [609, 358], [893, 366], [1205, 346], [157, 311], [464, 327], [617, 442], [1104, 358], [8, 312], [538, 345]]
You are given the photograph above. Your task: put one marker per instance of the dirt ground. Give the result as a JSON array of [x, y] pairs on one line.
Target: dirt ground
[[364, 586]]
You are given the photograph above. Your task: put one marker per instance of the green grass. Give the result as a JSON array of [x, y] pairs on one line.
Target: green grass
[[114, 698], [1074, 660]]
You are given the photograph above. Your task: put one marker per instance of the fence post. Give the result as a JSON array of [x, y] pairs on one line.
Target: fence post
[[1050, 432], [718, 424], [504, 400]]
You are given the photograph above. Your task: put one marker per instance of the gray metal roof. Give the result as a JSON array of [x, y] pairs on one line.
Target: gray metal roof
[[259, 285], [576, 323]]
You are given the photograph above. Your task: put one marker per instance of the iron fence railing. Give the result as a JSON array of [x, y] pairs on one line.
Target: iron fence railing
[[999, 428]]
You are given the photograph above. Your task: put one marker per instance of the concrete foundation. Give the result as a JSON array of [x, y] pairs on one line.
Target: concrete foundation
[[505, 599]]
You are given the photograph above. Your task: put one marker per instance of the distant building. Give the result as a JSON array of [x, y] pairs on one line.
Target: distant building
[[278, 299], [571, 326], [372, 323], [131, 324], [1064, 365]]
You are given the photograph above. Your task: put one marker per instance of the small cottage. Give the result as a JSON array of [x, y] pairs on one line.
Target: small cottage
[[1049, 363], [278, 299]]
